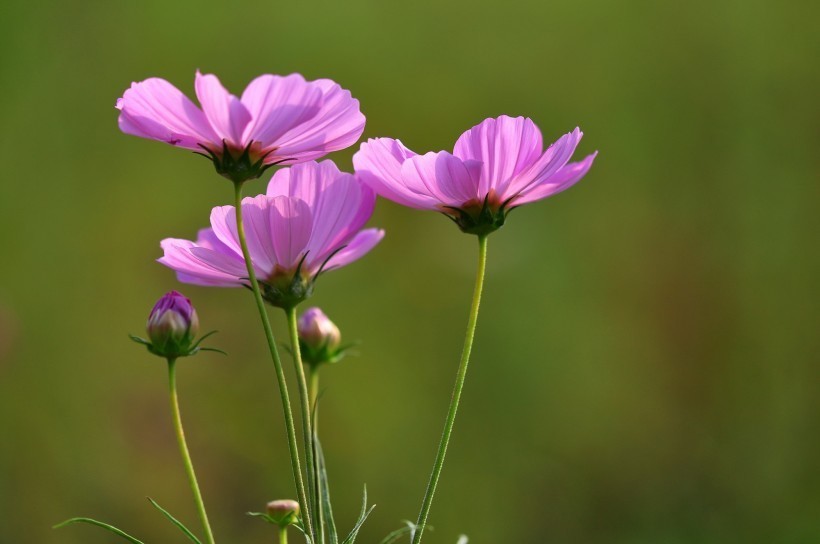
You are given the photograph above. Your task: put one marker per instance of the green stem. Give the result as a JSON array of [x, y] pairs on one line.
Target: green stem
[[313, 378], [462, 373], [304, 396], [283, 535], [183, 450], [277, 363]]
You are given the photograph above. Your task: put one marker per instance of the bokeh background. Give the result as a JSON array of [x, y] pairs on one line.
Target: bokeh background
[[646, 364]]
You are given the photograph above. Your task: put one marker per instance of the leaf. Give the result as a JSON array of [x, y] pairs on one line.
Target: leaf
[[175, 521], [324, 492], [398, 533], [362, 517], [111, 528]]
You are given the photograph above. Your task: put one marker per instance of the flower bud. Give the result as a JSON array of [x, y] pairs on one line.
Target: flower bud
[[172, 325], [317, 331], [283, 512]]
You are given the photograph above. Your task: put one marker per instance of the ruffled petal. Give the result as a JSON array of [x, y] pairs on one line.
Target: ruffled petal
[[157, 110], [378, 165], [290, 227], [201, 265], [444, 177], [565, 178], [358, 247], [277, 104], [226, 114], [338, 124], [340, 204], [552, 160], [505, 146]]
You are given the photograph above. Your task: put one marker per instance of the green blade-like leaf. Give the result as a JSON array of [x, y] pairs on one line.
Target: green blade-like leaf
[[362, 517], [324, 491], [175, 521], [397, 534], [111, 528]]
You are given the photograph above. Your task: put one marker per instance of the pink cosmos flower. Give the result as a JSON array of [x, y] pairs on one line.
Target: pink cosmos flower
[[277, 119], [309, 221], [494, 167]]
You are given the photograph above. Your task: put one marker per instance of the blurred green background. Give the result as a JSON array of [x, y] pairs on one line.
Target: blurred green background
[[646, 363]]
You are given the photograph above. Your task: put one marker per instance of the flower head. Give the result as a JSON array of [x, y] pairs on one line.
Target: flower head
[[277, 119], [172, 328], [283, 512], [495, 166], [319, 338], [310, 221]]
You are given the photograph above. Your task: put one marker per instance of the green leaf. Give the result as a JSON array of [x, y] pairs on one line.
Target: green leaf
[[362, 517], [398, 533], [111, 528], [175, 521], [324, 492]]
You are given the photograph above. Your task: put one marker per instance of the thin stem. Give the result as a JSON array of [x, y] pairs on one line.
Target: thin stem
[[283, 535], [183, 450], [277, 363], [462, 373], [313, 378], [304, 396]]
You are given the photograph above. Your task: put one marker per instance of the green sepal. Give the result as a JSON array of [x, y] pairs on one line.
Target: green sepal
[[175, 351], [175, 521], [480, 220], [240, 168], [106, 526], [323, 354], [293, 519]]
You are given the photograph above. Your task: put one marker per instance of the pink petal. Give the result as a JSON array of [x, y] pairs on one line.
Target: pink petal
[[195, 263], [156, 109], [444, 177], [565, 178], [378, 165], [290, 226], [358, 246], [340, 204], [505, 145], [553, 159], [338, 124], [224, 111], [278, 104], [223, 223]]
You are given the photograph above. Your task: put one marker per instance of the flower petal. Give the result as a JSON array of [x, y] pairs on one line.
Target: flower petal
[[277, 104], [290, 227], [201, 265], [378, 165], [340, 204], [444, 177], [224, 111], [358, 247], [156, 109], [338, 124], [565, 178], [505, 145], [553, 159]]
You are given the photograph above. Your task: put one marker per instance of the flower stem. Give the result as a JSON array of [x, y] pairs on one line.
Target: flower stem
[[183, 450], [304, 396], [283, 535], [462, 373], [277, 363]]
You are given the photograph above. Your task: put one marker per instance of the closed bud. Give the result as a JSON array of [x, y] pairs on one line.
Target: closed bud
[[283, 512], [317, 332], [172, 325]]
